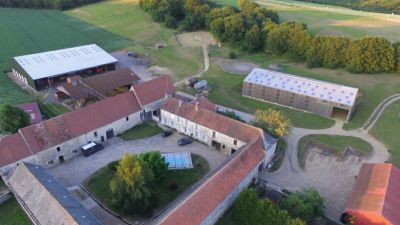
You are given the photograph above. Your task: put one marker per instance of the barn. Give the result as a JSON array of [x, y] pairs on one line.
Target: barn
[[47, 69], [314, 96]]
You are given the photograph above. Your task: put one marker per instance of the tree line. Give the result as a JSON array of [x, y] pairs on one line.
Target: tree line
[[386, 6], [45, 4], [255, 28]]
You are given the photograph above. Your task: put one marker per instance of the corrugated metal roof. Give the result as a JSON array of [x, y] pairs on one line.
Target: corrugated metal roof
[[337, 93], [58, 62]]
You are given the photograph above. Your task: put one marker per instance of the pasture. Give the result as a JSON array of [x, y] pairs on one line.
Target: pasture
[[126, 19], [333, 20], [25, 31]]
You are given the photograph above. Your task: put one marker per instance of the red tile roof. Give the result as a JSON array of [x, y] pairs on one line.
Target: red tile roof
[[212, 120], [203, 201], [205, 103], [376, 193], [153, 90], [12, 149], [73, 124], [32, 109]]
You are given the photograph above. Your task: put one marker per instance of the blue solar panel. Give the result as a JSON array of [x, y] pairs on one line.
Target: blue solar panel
[[178, 160]]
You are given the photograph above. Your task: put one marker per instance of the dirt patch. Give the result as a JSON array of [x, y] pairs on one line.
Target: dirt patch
[[238, 67], [196, 39], [158, 70]]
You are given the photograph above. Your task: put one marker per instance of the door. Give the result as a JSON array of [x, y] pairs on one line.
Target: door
[[102, 138], [110, 134], [61, 158]]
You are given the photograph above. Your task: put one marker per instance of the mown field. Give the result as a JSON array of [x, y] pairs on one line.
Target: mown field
[[385, 131], [333, 20], [25, 31], [126, 19]]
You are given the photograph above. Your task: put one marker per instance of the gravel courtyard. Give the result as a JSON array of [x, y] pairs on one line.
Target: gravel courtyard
[[75, 171]]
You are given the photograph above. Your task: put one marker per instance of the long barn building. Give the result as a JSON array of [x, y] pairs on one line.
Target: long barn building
[[314, 96], [47, 69]]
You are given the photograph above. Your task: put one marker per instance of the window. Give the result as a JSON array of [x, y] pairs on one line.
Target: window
[[58, 149], [95, 133], [214, 134], [127, 118], [235, 142], [223, 146], [50, 162], [75, 151]]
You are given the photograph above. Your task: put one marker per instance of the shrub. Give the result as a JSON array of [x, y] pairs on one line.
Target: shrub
[[232, 55], [173, 186], [113, 165]]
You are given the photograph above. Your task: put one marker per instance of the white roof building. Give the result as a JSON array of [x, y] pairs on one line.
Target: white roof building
[[64, 61], [336, 93]]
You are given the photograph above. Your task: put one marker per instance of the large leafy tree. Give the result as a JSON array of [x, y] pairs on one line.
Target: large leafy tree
[[12, 118], [130, 187], [306, 205], [156, 163], [272, 121]]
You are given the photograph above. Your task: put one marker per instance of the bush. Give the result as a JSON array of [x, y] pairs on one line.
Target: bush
[[12, 118], [173, 186], [232, 55], [113, 165]]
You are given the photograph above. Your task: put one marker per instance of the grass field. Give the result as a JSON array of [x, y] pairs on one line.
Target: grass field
[[336, 142], [141, 131], [25, 31], [333, 20], [12, 214], [126, 19], [98, 184], [385, 131]]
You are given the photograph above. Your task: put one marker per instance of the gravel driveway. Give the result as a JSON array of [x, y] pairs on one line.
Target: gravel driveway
[[75, 171]]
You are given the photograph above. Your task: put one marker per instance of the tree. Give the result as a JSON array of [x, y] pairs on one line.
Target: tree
[[370, 55], [130, 187], [12, 118], [156, 163], [253, 39], [327, 52], [272, 121], [306, 205]]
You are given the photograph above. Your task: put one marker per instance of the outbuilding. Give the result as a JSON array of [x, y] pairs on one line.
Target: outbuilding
[[318, 97], [47, 69]]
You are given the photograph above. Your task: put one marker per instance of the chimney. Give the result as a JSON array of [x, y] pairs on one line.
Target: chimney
[[197, 104]]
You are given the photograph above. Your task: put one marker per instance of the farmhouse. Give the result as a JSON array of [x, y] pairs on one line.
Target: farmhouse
[[47, 69], [77, 91], [58, 139], [375, 199], [251, 150], [318, 97], [39, 192]]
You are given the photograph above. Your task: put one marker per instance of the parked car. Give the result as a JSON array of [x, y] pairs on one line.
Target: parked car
[[91, 148], [166, 133], [184, 141]]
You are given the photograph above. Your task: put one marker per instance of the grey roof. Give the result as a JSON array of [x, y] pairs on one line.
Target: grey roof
[[58, 62], [269, 140], [62, 195], [336, 93]]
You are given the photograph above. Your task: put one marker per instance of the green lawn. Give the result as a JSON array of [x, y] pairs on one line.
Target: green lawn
[[141, 131], [385, 131], [226, 89], [52, 110], [227, 218], [98, 183], [128, 20], [335, 142], [12, 214]]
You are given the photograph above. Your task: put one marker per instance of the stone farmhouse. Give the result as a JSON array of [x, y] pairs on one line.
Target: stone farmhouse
[[39, 192], [250, 149], [58, 139]]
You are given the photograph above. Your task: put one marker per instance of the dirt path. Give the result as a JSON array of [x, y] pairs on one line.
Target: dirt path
[[379, 110], [206, 66]]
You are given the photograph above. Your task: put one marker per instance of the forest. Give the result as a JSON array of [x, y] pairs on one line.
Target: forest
[[386, 6], [254, 28], [45, 4]]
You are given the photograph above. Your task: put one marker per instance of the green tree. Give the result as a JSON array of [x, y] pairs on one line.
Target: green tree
[[130, 187], [253, 40], [12, 118], [370, 55], [306, 205], [156, 163]]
